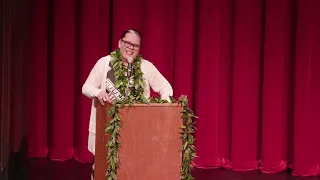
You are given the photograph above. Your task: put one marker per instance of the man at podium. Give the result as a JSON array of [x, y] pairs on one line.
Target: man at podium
[[100, 83]]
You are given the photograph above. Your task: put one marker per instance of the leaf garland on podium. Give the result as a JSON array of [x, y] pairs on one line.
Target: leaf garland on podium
[[136, 96]]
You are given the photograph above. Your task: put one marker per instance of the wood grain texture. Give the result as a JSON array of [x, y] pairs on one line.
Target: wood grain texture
[[149, 139]]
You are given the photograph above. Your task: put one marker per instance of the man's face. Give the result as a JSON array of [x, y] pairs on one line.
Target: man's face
[[129, 45]]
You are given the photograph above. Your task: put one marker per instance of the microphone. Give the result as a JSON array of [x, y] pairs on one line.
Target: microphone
[[130, 60], [129, 74]]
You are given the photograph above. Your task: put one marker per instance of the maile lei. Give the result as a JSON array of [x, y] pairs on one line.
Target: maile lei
[[137, 96]]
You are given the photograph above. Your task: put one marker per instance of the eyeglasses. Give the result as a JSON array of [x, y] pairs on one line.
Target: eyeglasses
[[128, 44]]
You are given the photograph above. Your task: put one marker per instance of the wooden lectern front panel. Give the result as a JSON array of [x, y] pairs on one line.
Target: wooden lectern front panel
[[149, 142]]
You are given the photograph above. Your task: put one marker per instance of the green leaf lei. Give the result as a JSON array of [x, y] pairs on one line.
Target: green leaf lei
[[137, 96]]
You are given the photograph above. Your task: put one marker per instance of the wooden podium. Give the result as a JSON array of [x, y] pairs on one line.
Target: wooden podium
[[149, 142]]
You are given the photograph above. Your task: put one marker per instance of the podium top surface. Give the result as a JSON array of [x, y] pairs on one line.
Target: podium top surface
[[97, 103], [155, 104]]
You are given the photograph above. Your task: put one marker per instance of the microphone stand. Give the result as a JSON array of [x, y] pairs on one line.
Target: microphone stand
[[129, 73]]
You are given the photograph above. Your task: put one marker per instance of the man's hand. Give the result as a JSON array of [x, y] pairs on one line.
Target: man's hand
[[103, 96]]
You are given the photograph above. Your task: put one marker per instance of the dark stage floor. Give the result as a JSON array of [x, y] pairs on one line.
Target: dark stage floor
[[44, 169]]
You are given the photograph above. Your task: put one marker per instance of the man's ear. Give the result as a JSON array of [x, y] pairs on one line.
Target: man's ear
[[119, 43]]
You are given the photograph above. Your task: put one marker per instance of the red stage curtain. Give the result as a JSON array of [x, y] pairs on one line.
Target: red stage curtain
[[278, 91], [248, 67]]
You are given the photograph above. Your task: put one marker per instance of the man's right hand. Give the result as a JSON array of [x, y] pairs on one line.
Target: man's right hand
[[104, 97]]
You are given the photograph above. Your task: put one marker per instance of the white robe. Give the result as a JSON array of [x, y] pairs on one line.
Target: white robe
[[95, 83]]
